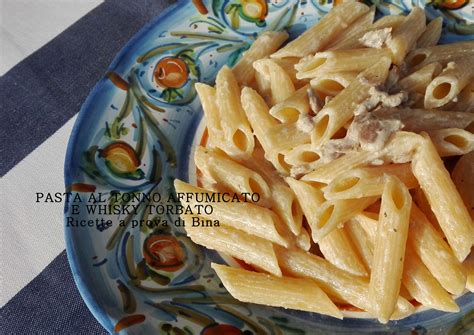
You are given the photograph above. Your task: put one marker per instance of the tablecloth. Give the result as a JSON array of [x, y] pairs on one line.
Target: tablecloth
[[39, 100]]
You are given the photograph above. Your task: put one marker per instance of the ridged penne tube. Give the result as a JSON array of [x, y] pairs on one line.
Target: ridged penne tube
[[468, 266], [322, 33], [245, 216], [463, 178], [361, 242], [369, 222], [281, 85], [405, 35], [302, 158], [237, 133], [260, 119], [417, 120], [282, 199], [251, 249], [419, 80], [422, 286], [338, 250], [432, 33], [265, 289], [232, 175], [389, 251], [420, 199], [452, 141], [263, 85], [289, 110], [353, 42], [286, 136], [354, 29], [399, 149], [435, 253], [464, 101], [288, 64], [334, 281], [337, 112], [367, 182], [417, 279], [444, 198], [446, 86], [355, 60], [331, 84], [309, 197], [443, 53], [325, 173], [265, 44], [332, 214], [207, 95], [303, 240]]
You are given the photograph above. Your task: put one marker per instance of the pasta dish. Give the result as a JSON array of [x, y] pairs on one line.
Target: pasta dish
[[349, 151]]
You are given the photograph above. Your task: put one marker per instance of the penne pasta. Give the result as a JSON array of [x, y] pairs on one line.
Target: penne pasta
[[302, 158], [325, 173], [289, 110], [445, 87], [282, 199], [322, 33], [422, 286], [443, 54], [232, 175], [468, 266], [340, 109], [263, 86], [336, 282], [235, 127], [348, 128], [332, 214], [420, 199], [417, 120], [419, 80], [431, 35], [281, 85], [464, 101], [361, 241], [338, 250], [444, 199], [288, 65], [331, 84], [303, 240], [245, 216], [404, 37], [389, 251], [399, 149], [251, 249], [355, 29], [265, 44], [265, 289], [435, 253], [452, 141], [207, 95], [366, 182], [258, 115], [417, 280], [463, 178], [353, 42], [309, 198], [286, 136], [355, 60]]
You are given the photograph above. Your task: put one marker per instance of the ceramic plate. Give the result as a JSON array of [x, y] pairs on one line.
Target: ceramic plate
[[134, 135]]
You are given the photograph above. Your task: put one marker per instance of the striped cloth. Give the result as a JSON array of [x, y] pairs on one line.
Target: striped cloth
[[39, 100]]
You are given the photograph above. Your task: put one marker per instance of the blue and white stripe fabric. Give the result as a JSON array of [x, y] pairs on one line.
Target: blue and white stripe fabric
[[39, 100]]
